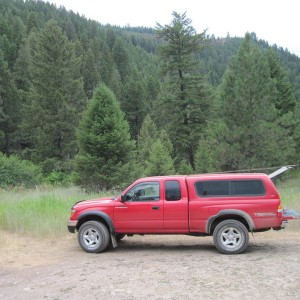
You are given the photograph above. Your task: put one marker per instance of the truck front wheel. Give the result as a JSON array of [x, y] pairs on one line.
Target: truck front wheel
[[93, 237], [231, 237]]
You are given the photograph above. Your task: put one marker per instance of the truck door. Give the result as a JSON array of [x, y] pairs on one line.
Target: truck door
[[142, 211], [176, 206]]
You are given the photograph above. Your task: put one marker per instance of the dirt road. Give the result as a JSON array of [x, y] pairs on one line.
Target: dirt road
[[150, 267]]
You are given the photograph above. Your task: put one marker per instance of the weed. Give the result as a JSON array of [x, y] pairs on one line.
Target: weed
[[39, 212]]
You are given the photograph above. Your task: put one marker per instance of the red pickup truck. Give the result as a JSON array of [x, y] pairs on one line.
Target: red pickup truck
[[225, 206]]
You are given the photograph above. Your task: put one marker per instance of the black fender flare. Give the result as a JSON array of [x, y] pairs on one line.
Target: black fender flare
[[107, 219], [230, 212]]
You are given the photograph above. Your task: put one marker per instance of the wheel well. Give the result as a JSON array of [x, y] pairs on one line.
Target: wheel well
[[227, 217], [92, 218]]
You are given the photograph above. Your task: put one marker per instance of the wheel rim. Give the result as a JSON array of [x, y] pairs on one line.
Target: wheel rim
[[231, 238], [91, 238]]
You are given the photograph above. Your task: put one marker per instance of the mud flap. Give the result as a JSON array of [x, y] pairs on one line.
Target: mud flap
[[113, 240]]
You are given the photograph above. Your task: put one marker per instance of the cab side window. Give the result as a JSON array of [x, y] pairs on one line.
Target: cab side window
[[145, 191], [172, 190]]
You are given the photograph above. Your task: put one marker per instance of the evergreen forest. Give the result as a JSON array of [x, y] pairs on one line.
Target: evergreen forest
[[99, 106]]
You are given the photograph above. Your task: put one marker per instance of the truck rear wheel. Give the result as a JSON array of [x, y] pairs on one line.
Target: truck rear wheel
[[93, 237], [231, 237]]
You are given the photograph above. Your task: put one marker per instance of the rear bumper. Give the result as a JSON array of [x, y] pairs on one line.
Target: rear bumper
[[72, 225], [284, 224]]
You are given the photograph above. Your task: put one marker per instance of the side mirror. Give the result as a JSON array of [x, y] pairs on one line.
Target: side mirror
[[123, 198]]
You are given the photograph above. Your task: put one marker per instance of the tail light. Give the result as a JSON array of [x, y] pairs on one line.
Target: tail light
[[279, 210]]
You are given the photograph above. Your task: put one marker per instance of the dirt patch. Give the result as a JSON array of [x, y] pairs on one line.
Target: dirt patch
[[153, 267]]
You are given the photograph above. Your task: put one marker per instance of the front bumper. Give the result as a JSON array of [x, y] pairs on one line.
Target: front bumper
[[72, 225]]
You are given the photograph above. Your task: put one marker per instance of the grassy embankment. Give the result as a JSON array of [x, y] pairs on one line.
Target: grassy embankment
[[44, 211]]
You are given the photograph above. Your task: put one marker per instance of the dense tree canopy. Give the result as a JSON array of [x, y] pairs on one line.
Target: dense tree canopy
[[249, 109], [175, 100], [9, 108]]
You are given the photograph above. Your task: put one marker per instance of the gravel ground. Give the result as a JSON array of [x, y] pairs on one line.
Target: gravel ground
[[151, 267]]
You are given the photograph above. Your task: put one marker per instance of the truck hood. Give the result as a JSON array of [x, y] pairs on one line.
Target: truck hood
[[106, 201]]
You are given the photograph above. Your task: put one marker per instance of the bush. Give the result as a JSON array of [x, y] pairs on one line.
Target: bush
[[17, 172], [57, 178]]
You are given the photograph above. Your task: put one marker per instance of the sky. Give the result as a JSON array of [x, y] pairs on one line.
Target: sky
[[275, 21]]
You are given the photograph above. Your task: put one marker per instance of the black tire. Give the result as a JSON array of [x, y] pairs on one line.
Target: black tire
[[93, 237], [231, 237], [120, 236]]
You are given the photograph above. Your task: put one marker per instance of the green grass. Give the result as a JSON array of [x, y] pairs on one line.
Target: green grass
[[290, 192], [44, 211], [40, 212]]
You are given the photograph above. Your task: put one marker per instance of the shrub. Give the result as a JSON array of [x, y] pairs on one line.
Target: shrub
[[16, 172], [57, 178]]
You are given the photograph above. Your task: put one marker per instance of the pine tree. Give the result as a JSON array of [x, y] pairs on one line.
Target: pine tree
[[121, 59], [70, 30], [33, 22], [252, 136], [159, 161], [296, 133], [186, 98], [166, 141], [18, 32], [134, 105], [22, 76], [9, 109], [106, 65], [185, 168], [147, 136], [155, 150], [285, 101], [110, 37], [90, 75], [106, 151], [55, 100], [205, 157]]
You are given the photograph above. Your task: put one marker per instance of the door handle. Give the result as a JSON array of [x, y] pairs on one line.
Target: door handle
[[155, 207]]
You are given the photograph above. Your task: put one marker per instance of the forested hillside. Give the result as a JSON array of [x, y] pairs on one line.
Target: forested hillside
[[215, 57], [100, 105]]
